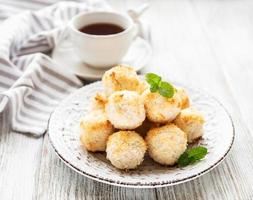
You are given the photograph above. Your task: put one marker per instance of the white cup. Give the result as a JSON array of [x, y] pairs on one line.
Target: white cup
[[102, 51]]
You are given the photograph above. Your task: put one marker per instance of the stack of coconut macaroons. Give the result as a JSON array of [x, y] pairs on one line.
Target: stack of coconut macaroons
[[127, 119]]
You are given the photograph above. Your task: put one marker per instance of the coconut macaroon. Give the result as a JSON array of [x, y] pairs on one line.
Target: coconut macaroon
[[184, 98], [125, 109], [122, 78], [160, 109], [125, 149], [95, 130], [166, 144], [191, 121], [98, 101]]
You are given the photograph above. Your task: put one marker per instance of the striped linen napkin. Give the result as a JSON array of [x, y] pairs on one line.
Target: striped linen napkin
[[31, 84]]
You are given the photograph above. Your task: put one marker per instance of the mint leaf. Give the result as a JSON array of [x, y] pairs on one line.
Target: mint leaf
[[184, 160], [153, 79], [190, 156], [156, 84], [197, 152], [154, 88], [166, 89]]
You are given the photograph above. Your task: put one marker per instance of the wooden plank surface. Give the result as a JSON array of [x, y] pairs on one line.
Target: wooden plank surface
[[20, 157], [205, 43]]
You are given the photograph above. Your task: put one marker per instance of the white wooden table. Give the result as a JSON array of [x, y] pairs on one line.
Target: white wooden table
[[208, 43]]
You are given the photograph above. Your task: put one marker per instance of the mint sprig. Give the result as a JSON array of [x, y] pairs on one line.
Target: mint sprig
[[192, 155], [153, 79], [157, 85]]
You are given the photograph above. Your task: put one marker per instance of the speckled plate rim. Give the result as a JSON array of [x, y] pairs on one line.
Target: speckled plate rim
[[149, 185]]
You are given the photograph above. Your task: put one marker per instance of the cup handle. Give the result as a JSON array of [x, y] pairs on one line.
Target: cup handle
[[135, 14]]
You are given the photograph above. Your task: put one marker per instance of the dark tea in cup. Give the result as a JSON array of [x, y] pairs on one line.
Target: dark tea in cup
[[102, 29]]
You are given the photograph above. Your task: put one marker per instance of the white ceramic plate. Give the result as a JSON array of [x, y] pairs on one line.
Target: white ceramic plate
[[64, 136], [138, 55]]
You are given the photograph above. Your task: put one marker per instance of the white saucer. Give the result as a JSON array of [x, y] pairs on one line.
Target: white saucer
[[137, 56]]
